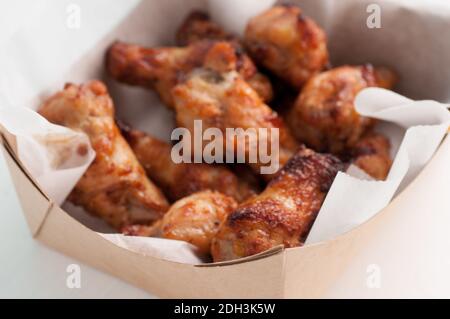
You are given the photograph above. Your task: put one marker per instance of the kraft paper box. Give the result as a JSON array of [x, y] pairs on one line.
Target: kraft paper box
[[410, 232]]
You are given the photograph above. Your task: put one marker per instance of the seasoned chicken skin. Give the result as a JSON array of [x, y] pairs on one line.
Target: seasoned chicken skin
[[115, 186], [287, 43], [224, 100], [163, 68], [180, 180], [194, 219], [283, 213], [324, 115], [372, 154], [198, 27]]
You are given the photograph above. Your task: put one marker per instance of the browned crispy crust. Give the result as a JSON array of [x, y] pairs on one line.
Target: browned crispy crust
[[115, 186], [324, 115], [283, 213], [198, 27], [287, 43], [372, 154], [163, 68], [194, 219], [224, 100], [180, 180]]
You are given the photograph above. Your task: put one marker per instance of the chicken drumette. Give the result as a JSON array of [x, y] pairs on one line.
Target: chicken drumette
[[183, 179], [194, 219], [324, 115], [223, 100], [115, 186], [283, 213], [163, 68], [287, 43]]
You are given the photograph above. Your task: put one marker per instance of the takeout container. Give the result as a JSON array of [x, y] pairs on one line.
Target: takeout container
[[418, 213]]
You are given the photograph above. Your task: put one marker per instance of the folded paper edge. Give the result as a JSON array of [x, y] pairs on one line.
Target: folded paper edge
[[35, 222], [9, 144], [270, 252]]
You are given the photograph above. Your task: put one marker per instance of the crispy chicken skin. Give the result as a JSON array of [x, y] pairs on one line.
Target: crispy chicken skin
[[163, 68], [224, 100], [283, 213], [324, 115], [194, 219], [198, 27], [287, 43], [372, 154], [115, 186], [180, 180]]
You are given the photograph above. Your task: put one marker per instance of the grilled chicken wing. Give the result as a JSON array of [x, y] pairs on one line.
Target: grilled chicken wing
[[180, 180], [283, 213], [115, 186], [194, 219], [162, 68], [199, 27], [324, 115], [372, 154], [287, 43], [224, 100]]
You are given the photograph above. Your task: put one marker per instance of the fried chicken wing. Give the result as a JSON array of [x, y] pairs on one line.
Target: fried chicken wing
[[283, 213], [324, 115], [287, 43], [198, 27], [372, 154], [224, 100], [194, 219], [180, 180], [163, 68], [115, 186]]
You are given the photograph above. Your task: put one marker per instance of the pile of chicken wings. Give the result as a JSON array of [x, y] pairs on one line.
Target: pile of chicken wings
[[277, 76]]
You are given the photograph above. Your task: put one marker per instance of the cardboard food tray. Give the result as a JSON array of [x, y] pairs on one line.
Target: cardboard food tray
[[279, 273]]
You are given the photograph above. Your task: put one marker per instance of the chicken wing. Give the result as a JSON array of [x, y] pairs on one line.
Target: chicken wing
[[162, 68], [194, 219], [287, 43], [283, 213], [115, 186], [324, 115], [199, 27], [372, 154], [224, 100], [180, 180]]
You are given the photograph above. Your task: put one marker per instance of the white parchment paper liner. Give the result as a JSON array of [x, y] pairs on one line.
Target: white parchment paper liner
[[352, 201], [54, 155]]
